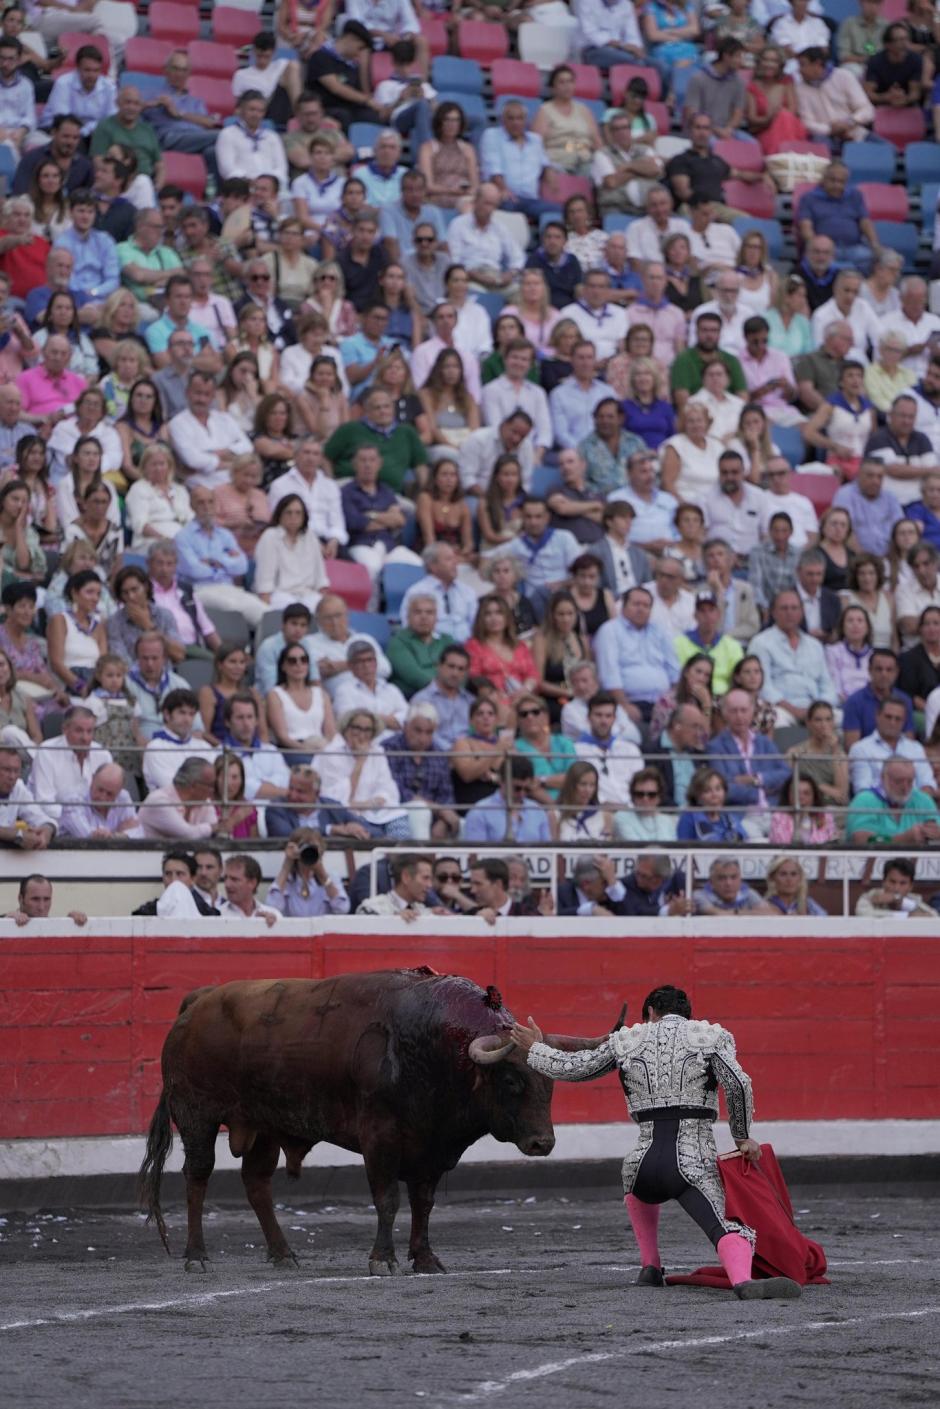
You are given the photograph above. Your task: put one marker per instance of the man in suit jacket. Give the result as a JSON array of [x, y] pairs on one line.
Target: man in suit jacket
[[678, 751], [821, 606], [654, 888], [489, 886], [593, 889], [622, 564], [752, 766]]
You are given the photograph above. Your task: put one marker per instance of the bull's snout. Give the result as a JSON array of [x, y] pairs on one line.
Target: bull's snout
[[537, 1145]]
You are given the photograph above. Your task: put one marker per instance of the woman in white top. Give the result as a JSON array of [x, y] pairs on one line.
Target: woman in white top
[[473, 334], [842, 424], [689, 464], [299, 712], [722, 405], [354, 772], [77, 636], [84, 463], [644, 822], [759, 281], [580, 815], [157, 507], [312, 343], [534, 311], [866, 589], [288, 561], [89, 419]]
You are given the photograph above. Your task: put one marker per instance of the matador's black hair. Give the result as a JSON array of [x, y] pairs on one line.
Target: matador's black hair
[[667, 1000]]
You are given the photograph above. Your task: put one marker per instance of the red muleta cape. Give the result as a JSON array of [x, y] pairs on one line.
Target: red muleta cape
[[756, 1194]]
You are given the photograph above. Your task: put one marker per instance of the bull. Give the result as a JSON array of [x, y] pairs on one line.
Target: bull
[[405, 1067]]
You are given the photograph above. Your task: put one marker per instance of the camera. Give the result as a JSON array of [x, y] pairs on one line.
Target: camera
[[309, 855]]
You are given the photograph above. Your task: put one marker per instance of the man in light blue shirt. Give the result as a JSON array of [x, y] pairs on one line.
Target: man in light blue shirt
[[447, 694], [97, 269], [456, 603], [210, 558], [360, 352], [83, 92], [574, 400], [17, 98], [873, 510], [514, 159], [654, 510], [509, 817], [382, 176], [175, 319], [546, 553], [488, 253], [636, 660], [295, 629], [608, 33], [397, 222], [794, 665], [867, 756]]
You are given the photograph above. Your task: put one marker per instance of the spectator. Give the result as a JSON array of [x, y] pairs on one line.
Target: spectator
[[805, 821], [600, 321], [482, 450], [749, 762], [837, 210], [456, 604], [363, 689], [653, 888], [308, 478], [627, 166], [23, 824], [615, 756], [248, 149], [704, 817], [183, 808], [489, 887], [514, 161], [725, 893], [861, 708], [636, 659], [415, 650], [894, 76], [907, 455], [550, 752], [230, 669], [34, 902], [49, 391], [787, 890], [679, 751], [210, 560], [608, 449], [773, 562], [649, 416], [354, 772], [411, 876], [644, 821], [302, 887], [302, 806], [195, 631], [266, 772], [914, 597], [707, 638], [63, 145], [181, 121], [288, 562], [848, 657], [920, 666], [20, 553], [835, 533], [673, 609], [150, 679], [894, 899], [169, 746], [101, 810], [546, 552], [510, 812], [580, 815], [241, 878], [894, 814], [561, 269], [830, 100], [23, 254], [205, 441], [868, 754], [181, 898], [793, 662], [208, 875], [329, 645], [818, 373], [374, 518], [594, 603], [61, 765], [447, 694], [423, 777], [821, 607]]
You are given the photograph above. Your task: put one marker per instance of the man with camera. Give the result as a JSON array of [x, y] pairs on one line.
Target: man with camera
[[302, 886]]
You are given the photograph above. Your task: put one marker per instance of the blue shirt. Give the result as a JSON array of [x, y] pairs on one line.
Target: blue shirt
[[196, 547], [839, 219], [17, 103], [861, 709], [872, 519], [550, 561], [358, 350], [159, 333], [572, 410], [68, 96], [381, 189], [97, 269], [267, 656], [653, 424], [640, 661], [394, 224], [652, 521], [520, 164], [453, 713], [919, 512], [487, 821], [357, 504], [185, 104]]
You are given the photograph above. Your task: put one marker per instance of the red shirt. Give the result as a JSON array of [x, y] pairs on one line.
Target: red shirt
[[25, 265]]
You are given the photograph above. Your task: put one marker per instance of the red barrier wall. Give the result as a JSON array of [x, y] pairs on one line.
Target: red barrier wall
[[828, 1028]]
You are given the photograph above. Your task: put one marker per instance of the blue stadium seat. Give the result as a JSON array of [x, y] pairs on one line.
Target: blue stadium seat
[[597, 105], [396, 579], [450, 76], [920, 163], [494, 303], [870, 161], [839, 10], [474, 108], [616, 220], [771, 230], [373, 624], [903, 238], [7, 167], [928, 205], [364, 134], [531, 105], [789, 442], [147, 84], [545, 480]]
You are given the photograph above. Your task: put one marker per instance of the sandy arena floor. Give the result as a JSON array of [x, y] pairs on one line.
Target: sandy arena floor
[[537, 1309]]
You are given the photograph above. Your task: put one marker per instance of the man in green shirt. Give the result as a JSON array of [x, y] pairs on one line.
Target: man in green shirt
[[146, 262], [688, 370], [896, 814], [859, 37], [128, 129], [400, 446], [415, 650]]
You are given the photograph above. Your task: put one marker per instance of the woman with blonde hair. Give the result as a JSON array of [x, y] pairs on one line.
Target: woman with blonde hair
[[130, 364], [118, 323], [157, 505], [885, 376], [580, 814], [328, 298], [787, 890], [253, 336], [78, 554], [556, 365], [645, 413], [689, 463], [534, 310], [788, 319], [759, 282]]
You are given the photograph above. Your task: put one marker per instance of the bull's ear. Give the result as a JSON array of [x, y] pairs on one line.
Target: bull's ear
[[574, 1044]]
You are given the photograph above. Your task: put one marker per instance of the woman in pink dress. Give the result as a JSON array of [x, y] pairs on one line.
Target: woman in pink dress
[[496, 653], [771, 104]]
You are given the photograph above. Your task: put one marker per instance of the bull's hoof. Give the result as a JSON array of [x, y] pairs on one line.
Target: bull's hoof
[[379, 1267], [425, 1262], [285, 1261], [195, 1263]]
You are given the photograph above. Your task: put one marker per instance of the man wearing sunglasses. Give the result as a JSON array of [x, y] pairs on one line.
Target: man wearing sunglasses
[[280, 318]]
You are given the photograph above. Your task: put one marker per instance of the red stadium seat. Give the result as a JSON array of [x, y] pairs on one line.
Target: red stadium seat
[[178, 23], [559, 186], [146, 55], [236, 27], [812, 149], [885, 202], [380, 66], [756, 200], [893, 10], [902, 126], [216, 93], [743, 156], [351, 581], [819, 489], [435, 32], [481, 41], [71, 43], [661, 116], [621, 74], [187, 172], [212, 60], [588, 82], [515, 77]]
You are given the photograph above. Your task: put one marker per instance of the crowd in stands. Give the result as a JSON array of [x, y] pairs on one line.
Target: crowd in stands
[[448, 471]]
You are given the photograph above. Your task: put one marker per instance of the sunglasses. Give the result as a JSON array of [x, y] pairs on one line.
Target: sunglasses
[[444, 876], [297, 660], [424, 239], [326, 279], [530, 713], [645, 792], [259, 278]]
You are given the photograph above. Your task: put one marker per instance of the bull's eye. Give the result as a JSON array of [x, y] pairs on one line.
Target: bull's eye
[[512, 1082]]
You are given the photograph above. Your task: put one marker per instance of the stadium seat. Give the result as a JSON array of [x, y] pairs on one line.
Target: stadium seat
[[515, 224], [7, 170], [545, 480], [363, 135], [186, 171], [514, 76], [661, 116], [588, 82], [231, 626], [745, 156], [148, 84], [819, 489], [231, 25], [196, 672], [147, 55], [810, 149], [435, 32], [396, 579], [753, 200], [920, 163], [454, 76], [771, 230], [491, 302], [178, 23], [374, 624], [905, 239], [481, 41], [474, 107], [269, 625], [350, 581], [560, 186], [869, 161], [543, 45], [621, 74], [216, 93], [380, 66], [616, 220], [839, 10], [902, 126], [212, 60], [531, 105], [790, 443], [928, 207], [72, 42], [885, 202]]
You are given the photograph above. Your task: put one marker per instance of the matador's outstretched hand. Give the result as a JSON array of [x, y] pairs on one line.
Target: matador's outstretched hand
[[525, 1037]]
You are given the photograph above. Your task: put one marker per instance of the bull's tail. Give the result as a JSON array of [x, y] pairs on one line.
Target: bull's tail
[[159, 1145]]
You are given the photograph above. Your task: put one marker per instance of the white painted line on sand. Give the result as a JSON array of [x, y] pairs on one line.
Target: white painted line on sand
[[59, 1318], [487, 1389]]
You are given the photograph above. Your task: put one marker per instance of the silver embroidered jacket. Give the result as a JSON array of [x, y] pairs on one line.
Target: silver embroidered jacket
[[676, 1063]]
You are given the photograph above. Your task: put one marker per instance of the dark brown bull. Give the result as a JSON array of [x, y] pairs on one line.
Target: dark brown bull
[[406, 1067]]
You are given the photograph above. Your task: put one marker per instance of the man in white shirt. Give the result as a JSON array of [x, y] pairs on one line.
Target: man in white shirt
[[915, 596], [65, 764], [410, 885], [22, 823], [206, 441], [265, 74], [241, 879], [483, 246], [714, 244], [733, 510], [846, 306], [212, 311], [779, 498], [512, 390], [176, 741], [797, 31], [614, 756], [608, 33], [444, 323], [730, 310], [584, 684], [673, 609], [102, 809], [329, 646], [868, 755], [645, 236], [247, 149], [599, 321], [456, 603], [481, 449], [183, 809], [319, 492], [267, 776], [919, 329], [363, 688]]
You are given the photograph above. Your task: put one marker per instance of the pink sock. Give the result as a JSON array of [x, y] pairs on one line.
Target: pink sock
[[645, 1221], [735, 1254]]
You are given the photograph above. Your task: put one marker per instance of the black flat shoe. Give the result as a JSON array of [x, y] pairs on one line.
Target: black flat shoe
[[651, 1277], [768, 1289]]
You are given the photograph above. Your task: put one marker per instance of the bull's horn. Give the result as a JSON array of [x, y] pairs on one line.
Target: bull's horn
[[487, 1050], [564, 1043]]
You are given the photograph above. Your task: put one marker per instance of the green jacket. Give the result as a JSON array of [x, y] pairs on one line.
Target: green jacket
[[141, 139], [414, 662], [868, 812], [401, 451], [688, 371]]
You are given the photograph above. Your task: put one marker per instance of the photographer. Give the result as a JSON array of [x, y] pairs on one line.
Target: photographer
[[302, 886]]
